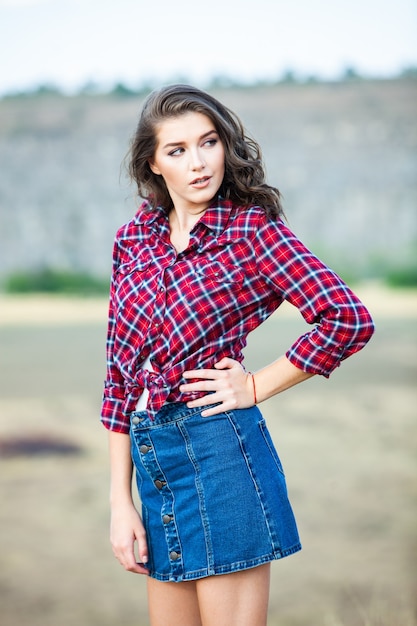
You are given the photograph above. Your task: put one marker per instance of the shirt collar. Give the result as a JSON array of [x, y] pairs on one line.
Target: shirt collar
[[215, 217], [147, 214]]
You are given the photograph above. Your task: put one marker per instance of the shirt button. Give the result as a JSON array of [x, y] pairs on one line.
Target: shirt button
[[174, 555]]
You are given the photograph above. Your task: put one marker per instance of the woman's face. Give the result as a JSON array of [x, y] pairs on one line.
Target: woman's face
[[190, 157]]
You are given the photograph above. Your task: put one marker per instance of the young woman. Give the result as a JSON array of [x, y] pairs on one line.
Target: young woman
[[206, 259]]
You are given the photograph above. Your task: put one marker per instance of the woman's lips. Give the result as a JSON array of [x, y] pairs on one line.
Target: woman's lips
[[202, 181]]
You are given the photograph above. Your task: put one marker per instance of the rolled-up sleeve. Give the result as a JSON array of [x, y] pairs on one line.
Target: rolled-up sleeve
[[112, 415], [342, 324]]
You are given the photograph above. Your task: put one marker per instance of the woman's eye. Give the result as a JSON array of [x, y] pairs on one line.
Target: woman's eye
[[210, 142], [175, 152]]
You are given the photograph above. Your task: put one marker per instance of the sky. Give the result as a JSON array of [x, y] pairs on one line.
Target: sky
[[69, 43]]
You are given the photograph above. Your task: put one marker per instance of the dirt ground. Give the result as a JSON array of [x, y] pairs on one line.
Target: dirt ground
[[348, 446]]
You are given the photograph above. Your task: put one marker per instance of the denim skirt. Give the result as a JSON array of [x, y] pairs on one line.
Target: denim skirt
[[213, 492]]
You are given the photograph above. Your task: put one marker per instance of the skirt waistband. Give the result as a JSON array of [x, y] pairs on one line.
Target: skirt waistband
[[170, 412]]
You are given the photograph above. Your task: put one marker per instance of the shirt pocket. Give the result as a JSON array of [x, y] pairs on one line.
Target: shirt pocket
[[138, 265], [222, 273], [129, 283]]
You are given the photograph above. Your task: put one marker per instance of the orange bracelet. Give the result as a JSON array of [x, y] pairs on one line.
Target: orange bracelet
[[255, 400]]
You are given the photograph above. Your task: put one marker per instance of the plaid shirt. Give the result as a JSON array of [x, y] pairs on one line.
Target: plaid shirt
[[187, 311]]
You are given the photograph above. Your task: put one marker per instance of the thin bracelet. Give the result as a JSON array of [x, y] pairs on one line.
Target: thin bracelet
[[255, 400]]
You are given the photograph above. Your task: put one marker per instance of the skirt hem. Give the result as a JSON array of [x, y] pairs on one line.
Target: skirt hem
[[225, 569]]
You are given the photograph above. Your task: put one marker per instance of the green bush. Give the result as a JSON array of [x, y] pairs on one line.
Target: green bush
[[402, 276], [55, 281]]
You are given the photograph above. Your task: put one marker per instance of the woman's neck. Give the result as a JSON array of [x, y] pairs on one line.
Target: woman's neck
[[181, 224], [183, 220]]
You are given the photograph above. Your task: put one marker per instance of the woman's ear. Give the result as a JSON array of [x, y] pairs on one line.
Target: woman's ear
[[153, 167]]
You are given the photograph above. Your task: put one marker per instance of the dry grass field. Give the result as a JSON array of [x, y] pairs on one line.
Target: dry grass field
[[348, 446]]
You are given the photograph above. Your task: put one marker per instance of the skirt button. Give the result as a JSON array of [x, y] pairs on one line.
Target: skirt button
[[159, 483], [166, 519], [137, 419], [174, 555], [144, 448]]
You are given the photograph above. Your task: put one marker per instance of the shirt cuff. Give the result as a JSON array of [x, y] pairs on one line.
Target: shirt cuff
[[309, 357], [112, 414]]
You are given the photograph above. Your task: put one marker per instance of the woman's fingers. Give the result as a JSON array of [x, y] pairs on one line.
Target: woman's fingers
[[126, 534], [226, 386], [220, 375], [142, 548], [209, 374], [127, 558]]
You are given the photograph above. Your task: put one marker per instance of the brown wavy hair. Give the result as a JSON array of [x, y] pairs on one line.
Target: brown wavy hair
[[244, 178]]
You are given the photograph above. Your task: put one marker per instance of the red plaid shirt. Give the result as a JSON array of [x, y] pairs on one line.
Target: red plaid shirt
[[187, 311]]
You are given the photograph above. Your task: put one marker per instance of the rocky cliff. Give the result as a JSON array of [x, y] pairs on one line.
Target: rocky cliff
[[343, 154]]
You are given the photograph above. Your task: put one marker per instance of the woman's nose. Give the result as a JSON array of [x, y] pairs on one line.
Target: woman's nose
[[197, 160]]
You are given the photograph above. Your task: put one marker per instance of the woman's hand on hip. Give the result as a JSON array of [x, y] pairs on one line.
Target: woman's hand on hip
[[126, 533], [227, 383]]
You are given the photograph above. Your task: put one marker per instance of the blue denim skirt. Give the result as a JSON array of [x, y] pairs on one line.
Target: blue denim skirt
[[213, 492]]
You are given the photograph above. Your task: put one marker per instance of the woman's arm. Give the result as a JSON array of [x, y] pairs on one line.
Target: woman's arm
[[126, 527], [234, 388], [112, 415], [341, 325], [276, 377]]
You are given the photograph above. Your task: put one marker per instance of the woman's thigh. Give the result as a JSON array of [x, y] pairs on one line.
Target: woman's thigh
[[237, 599], [173, 604]]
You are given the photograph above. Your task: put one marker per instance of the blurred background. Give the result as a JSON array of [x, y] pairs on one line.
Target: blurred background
[[329, 91]]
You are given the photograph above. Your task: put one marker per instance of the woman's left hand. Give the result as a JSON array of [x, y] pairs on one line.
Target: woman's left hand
[[227, 384]]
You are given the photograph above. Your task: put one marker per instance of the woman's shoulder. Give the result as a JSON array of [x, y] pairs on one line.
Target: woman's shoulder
[[134, 228], [253, 217], [264, 232]]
